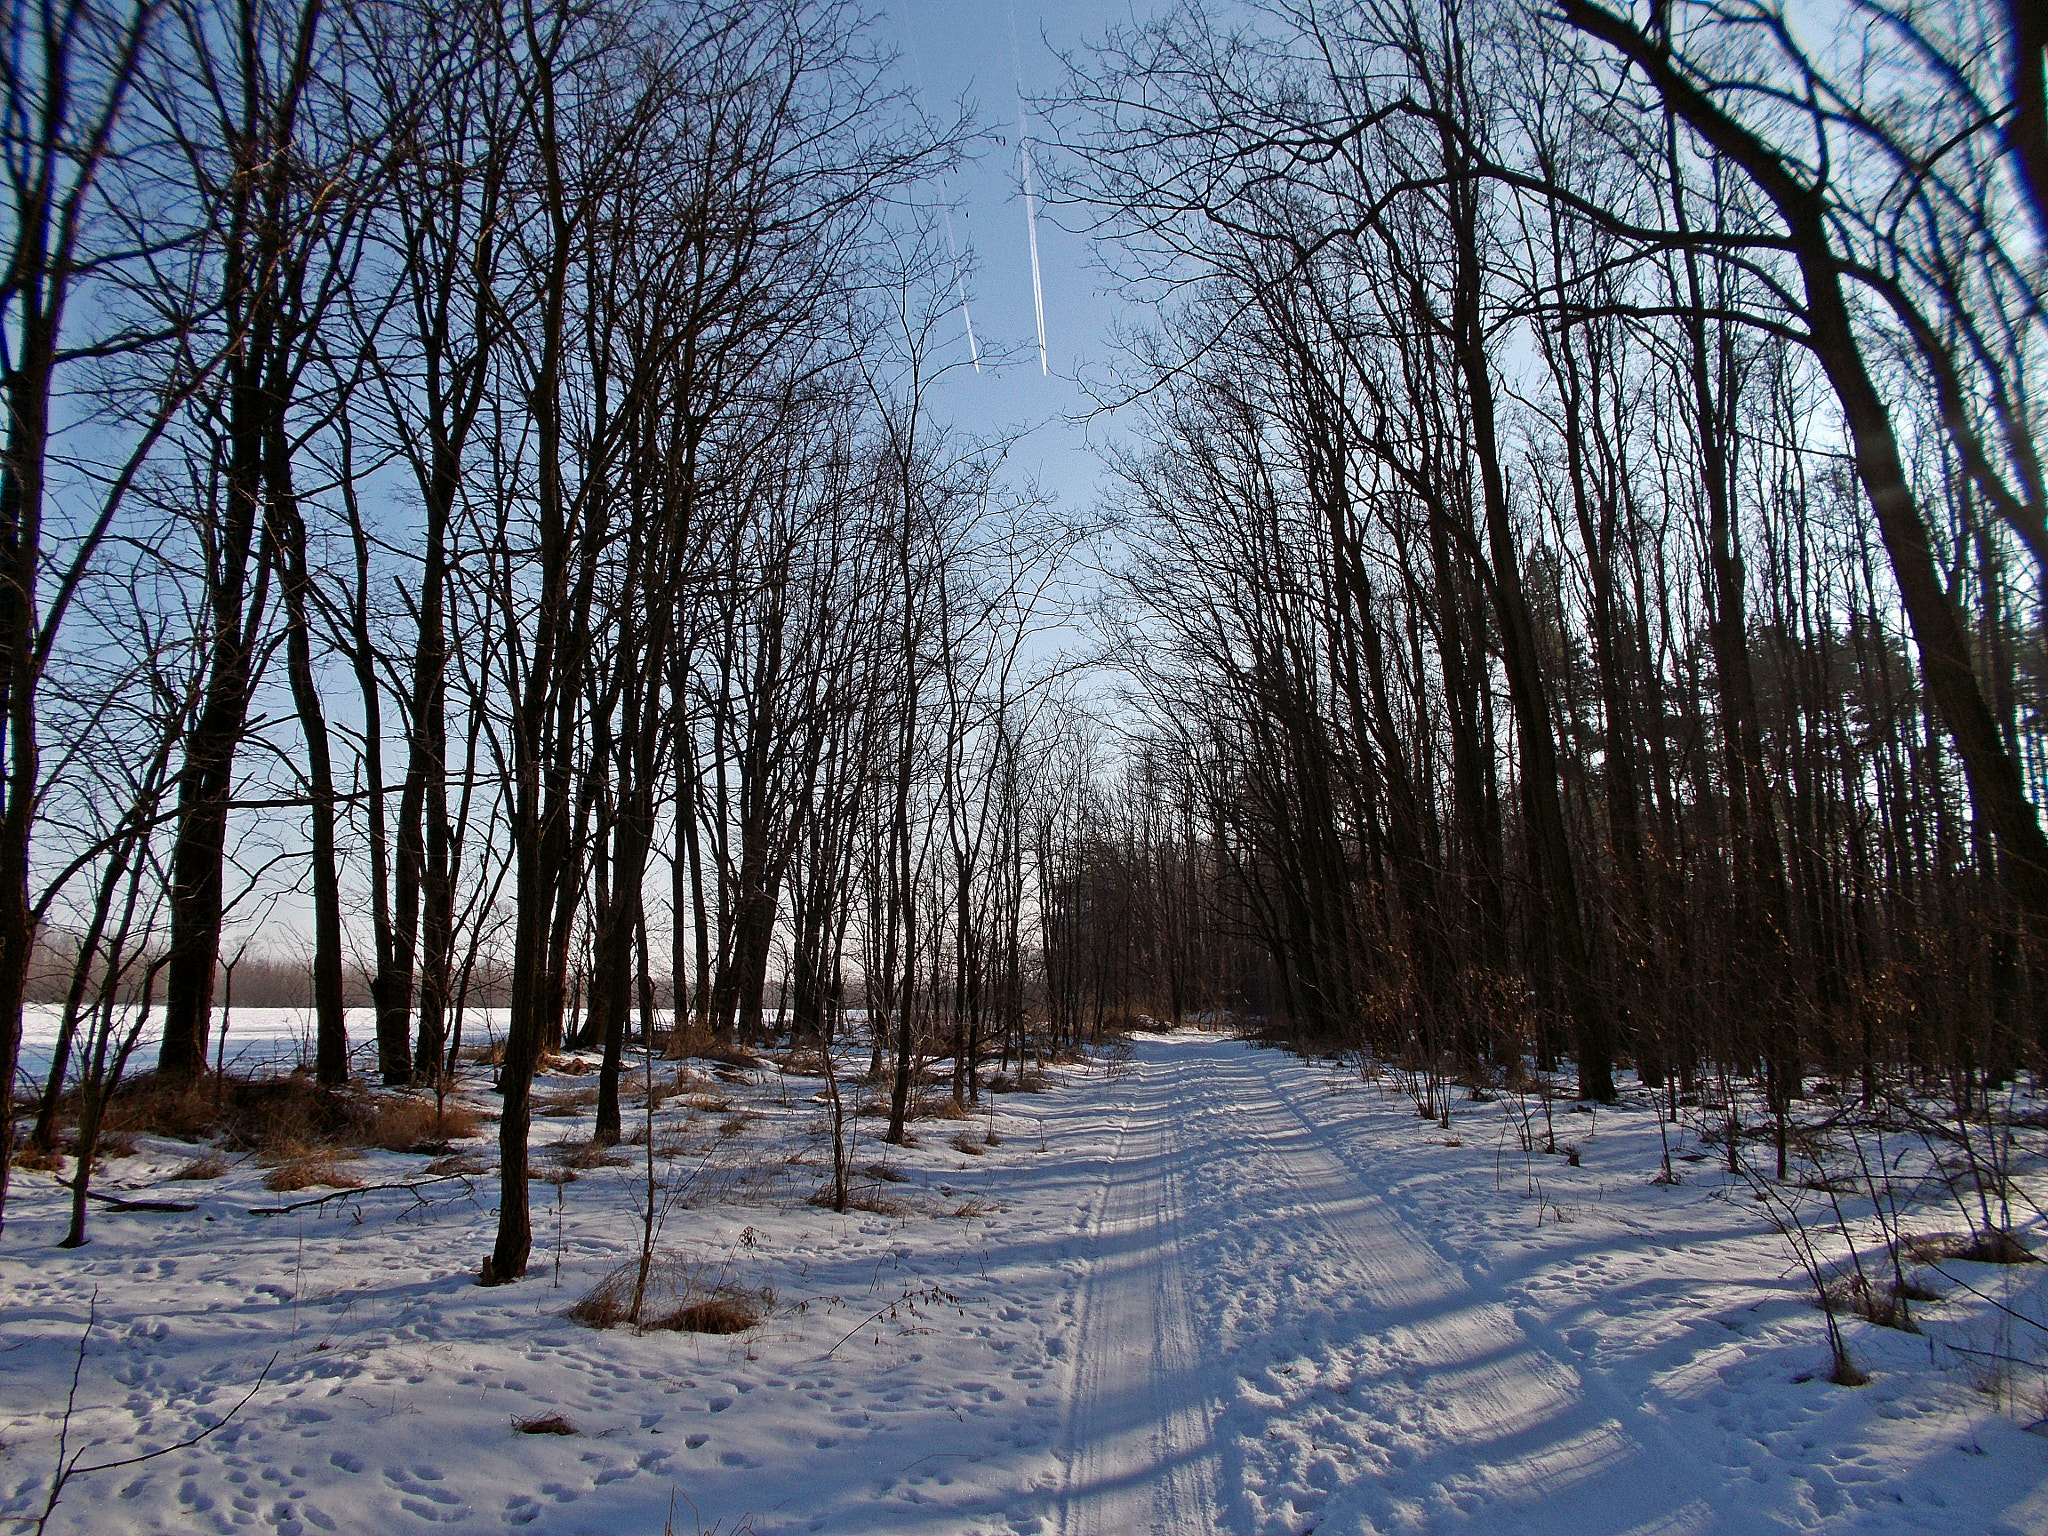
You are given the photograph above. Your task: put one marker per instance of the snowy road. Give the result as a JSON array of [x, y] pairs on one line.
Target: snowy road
[[1235, 1242], [1217, 1291]]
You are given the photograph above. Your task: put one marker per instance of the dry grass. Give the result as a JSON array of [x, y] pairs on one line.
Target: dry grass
[[714, 1314], [38, 1161], [207, 1165], [681, 1296], [323, 1170], [460, 1163], [579, 1156], [1988, 1247], [1884, 1306], [969, 1143], [971, 1210], [412, 1123], [730, 1056], [284, 1118], [886, 1174], [544, 1424], [708, 1103], [936, 1107], [868, 1197], [1026, 1080], [565, 1103], [734, 1124]]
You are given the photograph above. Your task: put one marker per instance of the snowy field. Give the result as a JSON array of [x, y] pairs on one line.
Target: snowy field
[[1213, 1290], [257, 1038]]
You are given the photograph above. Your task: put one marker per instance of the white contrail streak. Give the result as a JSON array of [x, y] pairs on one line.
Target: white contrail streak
[[1031, 225], [1030, 196], [952, 246], [960, 286]]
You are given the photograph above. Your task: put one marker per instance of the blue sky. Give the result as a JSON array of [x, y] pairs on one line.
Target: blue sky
[[958, 50]]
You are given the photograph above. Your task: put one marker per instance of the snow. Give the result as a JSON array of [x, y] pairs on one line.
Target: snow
[[257, 1039], [1214, 1290]]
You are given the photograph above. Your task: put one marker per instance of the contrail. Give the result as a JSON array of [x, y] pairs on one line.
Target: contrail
[[952, 246], [1031, 225], [1030, 197]]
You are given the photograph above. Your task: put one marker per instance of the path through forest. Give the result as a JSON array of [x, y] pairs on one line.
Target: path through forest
[[1209, 1289]]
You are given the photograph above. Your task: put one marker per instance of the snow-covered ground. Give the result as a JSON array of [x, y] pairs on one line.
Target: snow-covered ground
[[1216, 1290], [256, 1039]]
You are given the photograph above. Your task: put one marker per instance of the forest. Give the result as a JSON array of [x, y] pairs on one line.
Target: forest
[[490, 538]]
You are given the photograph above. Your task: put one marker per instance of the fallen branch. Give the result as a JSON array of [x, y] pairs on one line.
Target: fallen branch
[[353, 1191], [117, 1203]]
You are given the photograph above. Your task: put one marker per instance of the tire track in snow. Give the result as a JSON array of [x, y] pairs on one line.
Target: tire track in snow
[[1139, 1452]]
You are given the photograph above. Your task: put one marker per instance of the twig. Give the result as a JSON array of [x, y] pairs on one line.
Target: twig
[[75, 1464], [872, 1317]]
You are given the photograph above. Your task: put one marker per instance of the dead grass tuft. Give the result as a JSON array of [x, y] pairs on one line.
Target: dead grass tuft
[[1987, 1247], [1026, 1080], [460, 1163], [1883, 1306], [969, 1143], [565, 1103], [681, 1296], [413, 1123], [886, 1174], [971, 1210], [323, 1170], [734, 1124], [708, 1103], [544, 1424], [38, 1161], [579, 1156], [868, 1197], [208, 1165], [714, 1314]]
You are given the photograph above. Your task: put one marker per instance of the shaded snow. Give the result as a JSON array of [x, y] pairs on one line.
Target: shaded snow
[[1218, 1291]]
